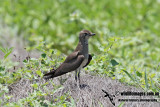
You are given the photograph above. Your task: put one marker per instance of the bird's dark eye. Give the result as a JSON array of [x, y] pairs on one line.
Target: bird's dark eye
[[85, 34]]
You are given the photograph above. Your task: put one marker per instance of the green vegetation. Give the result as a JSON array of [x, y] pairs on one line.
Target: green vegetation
[[126, 46], [31, 71]]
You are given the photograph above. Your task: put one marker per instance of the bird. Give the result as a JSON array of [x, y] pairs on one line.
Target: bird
[[75, 61]]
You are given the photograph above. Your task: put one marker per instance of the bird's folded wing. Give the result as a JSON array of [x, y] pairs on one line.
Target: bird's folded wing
[[72, 56], [69, 66]]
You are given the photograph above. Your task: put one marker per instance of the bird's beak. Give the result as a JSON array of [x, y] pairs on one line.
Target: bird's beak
[[92, 34]]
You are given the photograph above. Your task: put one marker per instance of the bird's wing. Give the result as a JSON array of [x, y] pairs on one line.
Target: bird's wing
[[69, 66], [50, 74], [89, 60], [71, 56]]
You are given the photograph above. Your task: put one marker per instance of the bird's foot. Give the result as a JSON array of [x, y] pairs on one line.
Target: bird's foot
[[81, 86]]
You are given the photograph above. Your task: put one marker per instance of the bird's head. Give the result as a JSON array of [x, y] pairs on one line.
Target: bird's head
[[85, 34]]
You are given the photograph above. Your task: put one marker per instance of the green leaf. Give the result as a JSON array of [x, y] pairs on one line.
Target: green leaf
[[139, 74], [129, 75], [6, 51], [6, 55], [2, 68], [44, 84], [121, 105], [64, 105], [39, 73], [25, 61], [11, 49], [42, 61], [152, 83], [43, 55], [146, 80], [1, 93], [114, 62], [34, 85], [3, 50]]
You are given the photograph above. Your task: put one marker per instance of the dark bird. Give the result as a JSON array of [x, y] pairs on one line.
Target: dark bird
[[76, 60]]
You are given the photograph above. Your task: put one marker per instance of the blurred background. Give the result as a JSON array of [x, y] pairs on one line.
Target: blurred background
[[59, 21], [127, 41]]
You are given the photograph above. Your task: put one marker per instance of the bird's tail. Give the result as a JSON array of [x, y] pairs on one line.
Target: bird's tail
[[50, 74]]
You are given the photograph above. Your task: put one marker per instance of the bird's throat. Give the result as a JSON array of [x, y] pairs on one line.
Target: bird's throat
[[86, 42], [85, 47], [82, 47]]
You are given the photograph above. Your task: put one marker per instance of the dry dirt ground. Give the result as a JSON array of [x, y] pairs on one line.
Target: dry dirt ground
[[91, 95]]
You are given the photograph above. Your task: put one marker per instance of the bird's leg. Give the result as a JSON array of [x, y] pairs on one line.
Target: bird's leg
[[79, 70], [77, 76]]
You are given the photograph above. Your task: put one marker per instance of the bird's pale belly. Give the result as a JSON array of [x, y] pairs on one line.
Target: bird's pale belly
[[84, 62]]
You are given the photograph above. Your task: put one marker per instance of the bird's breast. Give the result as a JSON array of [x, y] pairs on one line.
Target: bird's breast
[[85, 60]]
